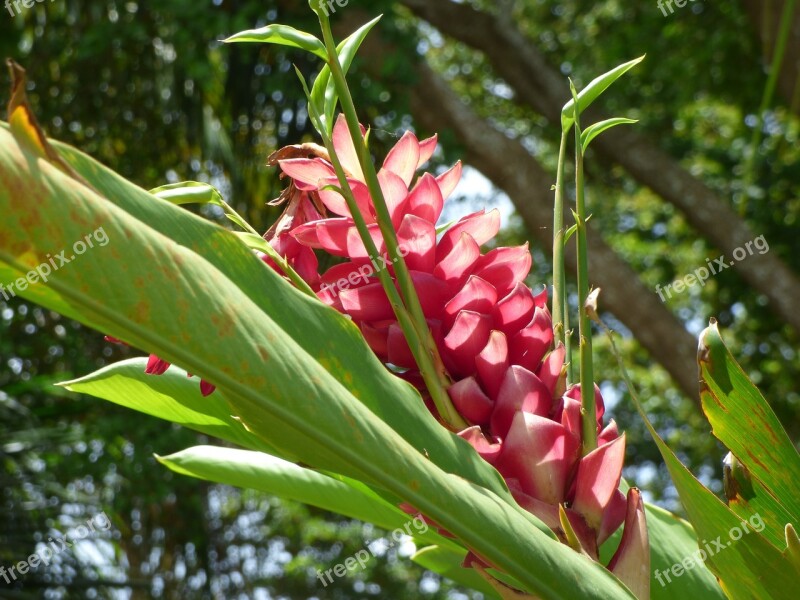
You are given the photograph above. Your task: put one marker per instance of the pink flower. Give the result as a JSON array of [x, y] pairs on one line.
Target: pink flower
[[495, 334]]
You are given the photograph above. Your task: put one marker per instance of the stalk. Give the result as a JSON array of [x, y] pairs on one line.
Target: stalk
[[413, 323], [766, 99], [560, 312], [588, 406]]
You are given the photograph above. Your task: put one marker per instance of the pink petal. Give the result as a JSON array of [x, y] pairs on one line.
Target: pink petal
[[470, 401], [403, 159], [597, 480], [488, 450], [448, 181], [552, 370], [541, 298], [330, 297], [355, 245], [492, 363], [332, 235], [520, 390], [476, 295], [306, 234], [610, 433], [345, 276], [480, 225], [514, 311], [345, 150], [206, 388], [306, 264], [432, 292], [426, 149], [368, 303], [156, 366], [540, 454], [399, 352], [529, 346], [425, 200], [548, 513], [613, 516], [417, 239], [395, 192], [459, 262], [307, 172], [466, 339], [505, 267], [336, 203], [377, 339], [631, 561], [568, 413], [600, 407]]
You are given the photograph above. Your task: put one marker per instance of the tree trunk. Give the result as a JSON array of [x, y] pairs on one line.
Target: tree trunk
[[544, 89]]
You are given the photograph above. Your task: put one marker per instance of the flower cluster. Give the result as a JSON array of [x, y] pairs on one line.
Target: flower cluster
[[494, 334]]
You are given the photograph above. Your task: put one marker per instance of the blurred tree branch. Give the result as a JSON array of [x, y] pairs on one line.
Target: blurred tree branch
[[544, 89]]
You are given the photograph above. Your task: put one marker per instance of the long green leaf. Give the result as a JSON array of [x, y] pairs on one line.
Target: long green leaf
[[596, 129], [189, 192], [323, 93], [157, 294], [282, 35], [745, 423], [172, 396], [591, 92], [743, 560], [262, 472]]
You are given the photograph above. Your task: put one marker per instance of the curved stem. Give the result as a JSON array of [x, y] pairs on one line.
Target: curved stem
[[560, 312], [588, 405]]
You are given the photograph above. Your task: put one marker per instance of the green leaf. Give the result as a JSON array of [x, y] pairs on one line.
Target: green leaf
[[745, 423], [282, 35], [262, 472], [172, 396], [593, 91], [743, 560], [593, 131], [158, 293], [323, 93], [748, 567], [189, 192]]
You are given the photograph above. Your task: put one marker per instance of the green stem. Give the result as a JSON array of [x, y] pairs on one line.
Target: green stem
[[766, 100], [588, 406], [415, 326], [560, 312]]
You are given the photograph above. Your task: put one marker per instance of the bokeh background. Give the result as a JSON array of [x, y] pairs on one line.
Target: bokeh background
[[148, 89]]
